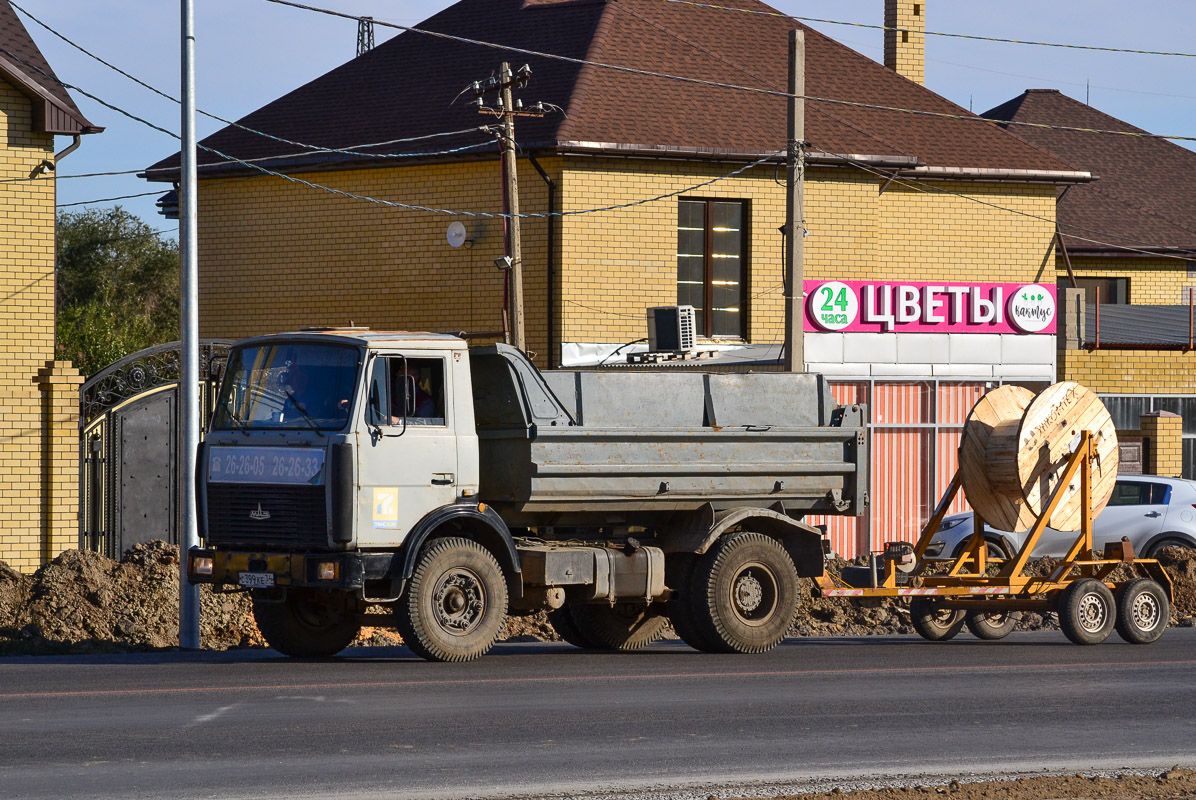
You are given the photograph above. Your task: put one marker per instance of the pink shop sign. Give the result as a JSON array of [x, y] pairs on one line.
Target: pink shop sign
[[929, 307]]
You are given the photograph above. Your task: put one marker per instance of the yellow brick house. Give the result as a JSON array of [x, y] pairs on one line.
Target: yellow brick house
[[645, 194], [1129, 257], [39, 466]]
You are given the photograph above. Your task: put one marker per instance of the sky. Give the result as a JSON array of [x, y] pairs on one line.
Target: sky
[[250, 52]]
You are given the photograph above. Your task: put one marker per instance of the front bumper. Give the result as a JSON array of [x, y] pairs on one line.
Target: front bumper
[[296, 570]]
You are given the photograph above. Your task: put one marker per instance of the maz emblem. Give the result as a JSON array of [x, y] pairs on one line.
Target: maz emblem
[[259, 514]]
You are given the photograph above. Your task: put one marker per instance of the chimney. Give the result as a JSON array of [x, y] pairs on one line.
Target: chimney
[[905, 38]]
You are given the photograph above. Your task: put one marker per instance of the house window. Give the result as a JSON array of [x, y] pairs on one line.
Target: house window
[[712, 264], [1112, 290]]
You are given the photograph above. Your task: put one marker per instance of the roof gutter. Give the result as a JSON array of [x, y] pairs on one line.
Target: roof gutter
[[612, 149], [1001, 175]]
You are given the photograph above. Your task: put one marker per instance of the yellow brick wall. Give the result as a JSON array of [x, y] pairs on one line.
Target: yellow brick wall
[[1165, 437], [905, 47], [37, 477], [617, 263], [1152, 281], [1130, 371], [276, 255]]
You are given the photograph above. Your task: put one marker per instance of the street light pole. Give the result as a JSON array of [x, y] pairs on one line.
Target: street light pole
[[188, 434]]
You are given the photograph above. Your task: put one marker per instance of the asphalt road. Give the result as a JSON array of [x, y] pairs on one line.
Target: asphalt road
[[549, 719]]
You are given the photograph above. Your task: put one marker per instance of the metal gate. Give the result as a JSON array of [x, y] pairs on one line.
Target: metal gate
[[129, 451]]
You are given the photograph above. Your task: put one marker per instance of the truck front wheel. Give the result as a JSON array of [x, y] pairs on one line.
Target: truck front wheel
[[455, 604], [745, 594], [308, 622]]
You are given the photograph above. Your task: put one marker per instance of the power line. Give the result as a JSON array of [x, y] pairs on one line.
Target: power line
[[902, 181], [725, 85], [107, 199], [926, 187], [974, 37], [366, 198], [314, 148]]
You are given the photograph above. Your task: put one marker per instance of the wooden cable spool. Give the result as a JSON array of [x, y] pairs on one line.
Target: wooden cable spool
[[1016, 445]]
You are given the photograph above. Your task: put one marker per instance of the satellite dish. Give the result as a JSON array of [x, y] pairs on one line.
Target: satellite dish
[[456, 234]]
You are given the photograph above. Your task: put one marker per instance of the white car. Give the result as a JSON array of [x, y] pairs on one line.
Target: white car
[[1154, 512]]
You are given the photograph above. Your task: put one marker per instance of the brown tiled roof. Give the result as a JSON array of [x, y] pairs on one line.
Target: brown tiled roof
[[406, 87], [23, 64], [1146, 192]]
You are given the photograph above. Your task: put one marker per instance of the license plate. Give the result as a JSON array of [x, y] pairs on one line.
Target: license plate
[[256, 580]]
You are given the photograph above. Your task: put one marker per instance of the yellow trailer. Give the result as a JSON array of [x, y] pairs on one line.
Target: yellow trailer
[[987, 593]]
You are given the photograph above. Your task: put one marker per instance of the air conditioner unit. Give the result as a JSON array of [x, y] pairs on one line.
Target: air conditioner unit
[[671, 329]]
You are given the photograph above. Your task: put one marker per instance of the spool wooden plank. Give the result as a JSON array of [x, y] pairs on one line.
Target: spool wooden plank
[[1047, 435], [988, 458]]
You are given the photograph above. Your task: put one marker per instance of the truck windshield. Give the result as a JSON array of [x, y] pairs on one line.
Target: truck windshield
[[289, 385]]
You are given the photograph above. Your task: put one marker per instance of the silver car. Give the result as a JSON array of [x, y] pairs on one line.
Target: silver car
[[1154, 512]]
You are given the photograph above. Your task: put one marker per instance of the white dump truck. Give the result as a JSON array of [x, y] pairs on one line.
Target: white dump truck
[[346, 470]]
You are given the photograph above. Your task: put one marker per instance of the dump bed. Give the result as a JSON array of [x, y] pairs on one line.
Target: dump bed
[[570, 447]]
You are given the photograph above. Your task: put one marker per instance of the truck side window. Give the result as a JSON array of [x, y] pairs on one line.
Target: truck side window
[[416, 391]]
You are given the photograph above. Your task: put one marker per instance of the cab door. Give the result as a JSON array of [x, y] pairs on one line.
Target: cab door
[[408, 448]]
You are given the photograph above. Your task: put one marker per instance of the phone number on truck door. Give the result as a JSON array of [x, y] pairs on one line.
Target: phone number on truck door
[[265, 465]]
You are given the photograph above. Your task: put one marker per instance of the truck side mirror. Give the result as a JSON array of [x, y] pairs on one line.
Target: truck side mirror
[[375, 405]]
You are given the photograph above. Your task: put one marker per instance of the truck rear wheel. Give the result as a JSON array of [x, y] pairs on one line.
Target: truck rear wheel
[[561, 620], [308, 622], [679, 574], [627, 626], [455, 604], [744, 594]]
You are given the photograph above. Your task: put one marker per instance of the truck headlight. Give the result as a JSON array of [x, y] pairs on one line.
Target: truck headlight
[[201, 565], [328, 570]]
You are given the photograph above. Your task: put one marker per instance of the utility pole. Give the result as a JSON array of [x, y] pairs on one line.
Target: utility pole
[[365, 35], [508, 108], [189, 328], [795, 354]]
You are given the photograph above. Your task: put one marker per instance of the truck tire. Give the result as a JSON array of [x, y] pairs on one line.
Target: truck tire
[[679, 573], [627, 626], [992, 625], [1087, 611], [745, 594], [932, 622], [561, 620], [308, 623], [1143, 611], [455, 604]]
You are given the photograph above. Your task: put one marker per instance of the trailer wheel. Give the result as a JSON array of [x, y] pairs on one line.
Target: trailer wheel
[[308, 623], [627, 626], [746, 594], [562, 622], [991, 625], [679, 575], [932, 621], [455, 603], [1087, 611], [1142, 611]]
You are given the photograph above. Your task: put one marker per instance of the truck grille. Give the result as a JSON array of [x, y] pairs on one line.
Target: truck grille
[[297, 518]]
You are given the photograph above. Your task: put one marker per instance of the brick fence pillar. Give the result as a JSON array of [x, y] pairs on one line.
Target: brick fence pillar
[[59, 384], [1163, 437]]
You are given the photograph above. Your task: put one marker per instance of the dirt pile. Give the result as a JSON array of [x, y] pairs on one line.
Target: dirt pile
[[83, 602], [1174, 784]]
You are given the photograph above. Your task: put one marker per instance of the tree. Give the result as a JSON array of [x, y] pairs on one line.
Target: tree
[[118, 287]]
